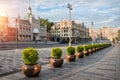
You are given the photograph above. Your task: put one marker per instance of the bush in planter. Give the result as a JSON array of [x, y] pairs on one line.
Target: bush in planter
[[70, 57], [31, 68], [56, 53], [55, 59], [30, 56], [79, 49], [93, 47], [90, 47], [70, 50], [79, 52], [85, 50]]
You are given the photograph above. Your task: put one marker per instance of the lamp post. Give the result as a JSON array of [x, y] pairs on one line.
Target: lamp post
[[69, 6], [46, 34], [92, 32], [100, 35]]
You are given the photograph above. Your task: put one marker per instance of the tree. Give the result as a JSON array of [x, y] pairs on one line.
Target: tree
[[118, 38], [46, 23]]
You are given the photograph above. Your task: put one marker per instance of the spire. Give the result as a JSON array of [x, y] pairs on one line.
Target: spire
[[18, 15], [29, 8], [92, 23], [83, 24]]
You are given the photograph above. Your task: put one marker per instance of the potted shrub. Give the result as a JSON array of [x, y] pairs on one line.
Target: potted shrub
[[70, 54], [79, 52], [31, 68], [56, 60], [90, 49], [94, 48], [85, 50]]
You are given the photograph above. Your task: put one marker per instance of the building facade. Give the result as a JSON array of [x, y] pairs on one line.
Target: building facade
[[109, 32], [104, 33], [24, 30], [17, 29], [29, 28], [61, 31], [7, 33]]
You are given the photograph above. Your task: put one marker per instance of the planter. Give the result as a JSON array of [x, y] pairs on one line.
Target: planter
[[79, 55], [94, 50], [90, 51], [86, 53], [70, 58], [97, 49], [56, 62], [31, 70]]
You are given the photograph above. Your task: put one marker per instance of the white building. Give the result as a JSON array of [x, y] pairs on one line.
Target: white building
[[61, 31]]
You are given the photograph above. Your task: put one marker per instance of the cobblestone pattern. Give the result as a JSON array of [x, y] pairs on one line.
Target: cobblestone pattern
[[11, 61], [102, 65]]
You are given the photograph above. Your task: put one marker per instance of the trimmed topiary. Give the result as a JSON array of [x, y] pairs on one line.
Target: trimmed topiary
[[30, 56], [70, 50], [85, 48], [56, 52], [79, 49]]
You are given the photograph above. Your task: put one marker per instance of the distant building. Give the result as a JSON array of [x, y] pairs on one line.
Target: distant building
[[104, 33], [17, 29], [109, 32], [61, 31], [7, 33], [24, 30], [29, 28]]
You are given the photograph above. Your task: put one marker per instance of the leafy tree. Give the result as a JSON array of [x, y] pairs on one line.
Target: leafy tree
[[118, 35], [46, 23]]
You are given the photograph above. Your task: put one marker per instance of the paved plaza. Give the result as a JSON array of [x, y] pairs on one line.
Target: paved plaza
[[102, 65]]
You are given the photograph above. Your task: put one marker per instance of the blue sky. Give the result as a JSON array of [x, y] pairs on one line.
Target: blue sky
[[104, 13]]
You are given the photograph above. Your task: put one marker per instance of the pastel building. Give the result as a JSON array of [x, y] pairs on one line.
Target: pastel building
[[29, 28], [61, 31], [7, 32]]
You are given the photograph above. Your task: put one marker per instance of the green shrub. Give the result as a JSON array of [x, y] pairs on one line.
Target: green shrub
[[56, 53], [93, 45], [79, 49], [70, 50], [90, 47], [30, 56], [85, 48]]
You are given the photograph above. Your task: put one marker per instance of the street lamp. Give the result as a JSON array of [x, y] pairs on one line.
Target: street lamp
[[100, 35], [92, 32], [69, 6]]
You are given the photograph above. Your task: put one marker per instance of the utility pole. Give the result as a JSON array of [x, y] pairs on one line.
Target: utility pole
[[69, 6], [92, 31]]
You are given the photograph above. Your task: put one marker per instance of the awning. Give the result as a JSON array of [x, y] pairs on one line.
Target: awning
[[35, 30]]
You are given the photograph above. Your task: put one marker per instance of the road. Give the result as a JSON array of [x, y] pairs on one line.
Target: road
[[12, 46]]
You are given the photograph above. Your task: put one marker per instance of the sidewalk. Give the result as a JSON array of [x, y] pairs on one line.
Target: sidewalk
[[102, 65]]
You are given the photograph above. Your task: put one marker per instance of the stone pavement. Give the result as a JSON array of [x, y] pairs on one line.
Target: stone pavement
[[102, 65]]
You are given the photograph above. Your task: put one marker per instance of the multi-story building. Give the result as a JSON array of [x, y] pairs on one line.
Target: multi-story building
[[7, 33], [109, 32], [29, 28], [104, 33], [24, 30], [61, 31]]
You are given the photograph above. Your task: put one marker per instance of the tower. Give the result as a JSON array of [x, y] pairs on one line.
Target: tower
[[29, 10], [29, 14]]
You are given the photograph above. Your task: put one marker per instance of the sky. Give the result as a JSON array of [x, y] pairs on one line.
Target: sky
[[103, 13]]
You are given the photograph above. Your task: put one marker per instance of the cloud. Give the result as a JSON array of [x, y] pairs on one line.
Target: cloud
[[111, 19], [100, 12]]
